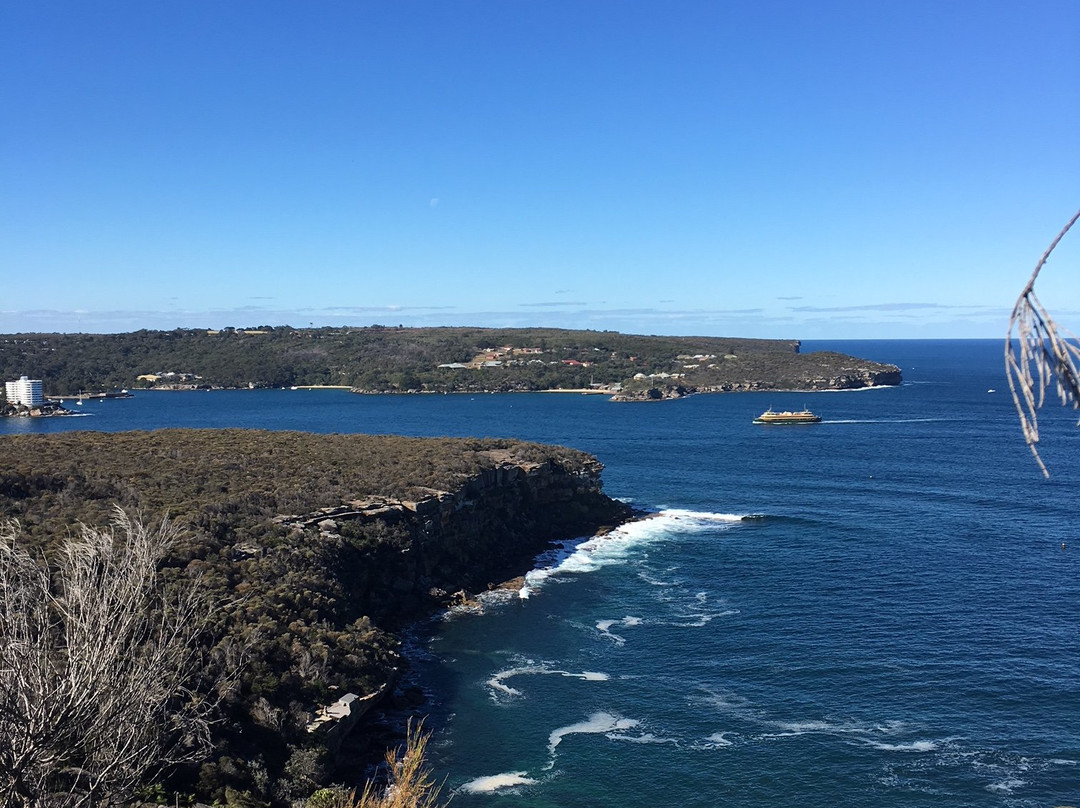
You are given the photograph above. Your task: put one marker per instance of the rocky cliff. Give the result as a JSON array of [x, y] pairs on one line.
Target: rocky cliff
[[448, 545], [317, 549], [826, 371]]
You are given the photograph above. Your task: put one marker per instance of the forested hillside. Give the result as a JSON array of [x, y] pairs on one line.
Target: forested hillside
[[383, 359]]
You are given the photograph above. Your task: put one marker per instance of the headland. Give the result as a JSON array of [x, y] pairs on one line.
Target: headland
[[379, 359], [319, 549]]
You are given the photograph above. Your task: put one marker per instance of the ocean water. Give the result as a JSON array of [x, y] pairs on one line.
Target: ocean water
[[879, 610]]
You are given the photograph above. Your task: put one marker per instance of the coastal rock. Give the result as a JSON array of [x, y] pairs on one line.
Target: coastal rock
[[487, 530], [844, 373]]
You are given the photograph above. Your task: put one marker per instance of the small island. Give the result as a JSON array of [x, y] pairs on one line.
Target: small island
[[48, 409]]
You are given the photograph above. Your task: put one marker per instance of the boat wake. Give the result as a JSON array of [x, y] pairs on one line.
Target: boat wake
[[886, 420]]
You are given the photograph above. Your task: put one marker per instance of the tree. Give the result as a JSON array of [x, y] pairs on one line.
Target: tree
[[99, 667], [1044, 352]]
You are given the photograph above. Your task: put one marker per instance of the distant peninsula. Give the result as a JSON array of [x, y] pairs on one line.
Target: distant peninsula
[[383, 359]]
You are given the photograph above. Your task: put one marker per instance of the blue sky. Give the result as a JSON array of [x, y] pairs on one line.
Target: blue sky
[[818, 170]]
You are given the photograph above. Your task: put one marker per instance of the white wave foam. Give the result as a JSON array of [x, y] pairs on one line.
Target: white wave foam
[[731, 704], [789, 729], [651, 581], [864, 389], [488, 599], [646, 738], [595, 724], [498, 685], [700, 516], [802, 727], [1006, 786], [497, 782], [589, 555], [604, 627], [699, 619], [718, 741], [893, 727], [496, 681], [858, 732], [914, 746]]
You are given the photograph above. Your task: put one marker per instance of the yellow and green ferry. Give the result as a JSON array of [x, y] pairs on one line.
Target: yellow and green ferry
[[803, 416]]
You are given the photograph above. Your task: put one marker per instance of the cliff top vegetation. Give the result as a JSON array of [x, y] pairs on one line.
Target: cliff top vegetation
[[223, 481], [308, 608]]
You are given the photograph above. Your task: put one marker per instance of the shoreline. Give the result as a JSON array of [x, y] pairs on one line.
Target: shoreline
[[384, 726], [585, 391]]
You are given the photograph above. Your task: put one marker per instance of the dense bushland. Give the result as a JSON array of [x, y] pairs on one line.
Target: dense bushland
[[308, 608], [397, 359]]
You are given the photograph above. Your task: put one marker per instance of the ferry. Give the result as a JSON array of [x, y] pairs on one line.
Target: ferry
[[787, 417]]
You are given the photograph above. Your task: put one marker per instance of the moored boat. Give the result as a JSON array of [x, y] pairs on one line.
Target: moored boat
[[803, 416]]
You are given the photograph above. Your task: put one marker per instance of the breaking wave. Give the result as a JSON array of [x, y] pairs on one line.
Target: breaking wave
[[497, 683], [497, 782], [590, 554]]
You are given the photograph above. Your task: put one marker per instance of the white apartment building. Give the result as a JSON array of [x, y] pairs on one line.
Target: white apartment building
[[27, 392]]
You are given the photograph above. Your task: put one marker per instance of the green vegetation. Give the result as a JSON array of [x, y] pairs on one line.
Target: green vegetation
[[306, 607], [381, 359]]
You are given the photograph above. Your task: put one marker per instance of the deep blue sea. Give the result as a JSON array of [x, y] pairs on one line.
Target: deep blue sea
[[898, 625]]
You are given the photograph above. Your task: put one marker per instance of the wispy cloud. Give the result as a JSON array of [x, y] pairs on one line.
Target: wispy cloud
[[876, 307], [329, 311], [557, 304], [871, 321]]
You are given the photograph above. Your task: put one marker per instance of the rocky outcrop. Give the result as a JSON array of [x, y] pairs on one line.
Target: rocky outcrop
[[856, 376], [402, 558], [398, 559], [659, 393]]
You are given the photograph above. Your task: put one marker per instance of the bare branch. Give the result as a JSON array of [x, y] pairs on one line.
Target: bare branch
[[98, 662], [1045, 353]]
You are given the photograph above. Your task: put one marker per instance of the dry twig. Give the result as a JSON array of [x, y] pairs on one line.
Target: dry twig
[[410, 783], [1046, 353], [97, 662]]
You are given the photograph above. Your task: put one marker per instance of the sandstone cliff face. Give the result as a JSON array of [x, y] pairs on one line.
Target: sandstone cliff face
[[401, 558], [398, 560]]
